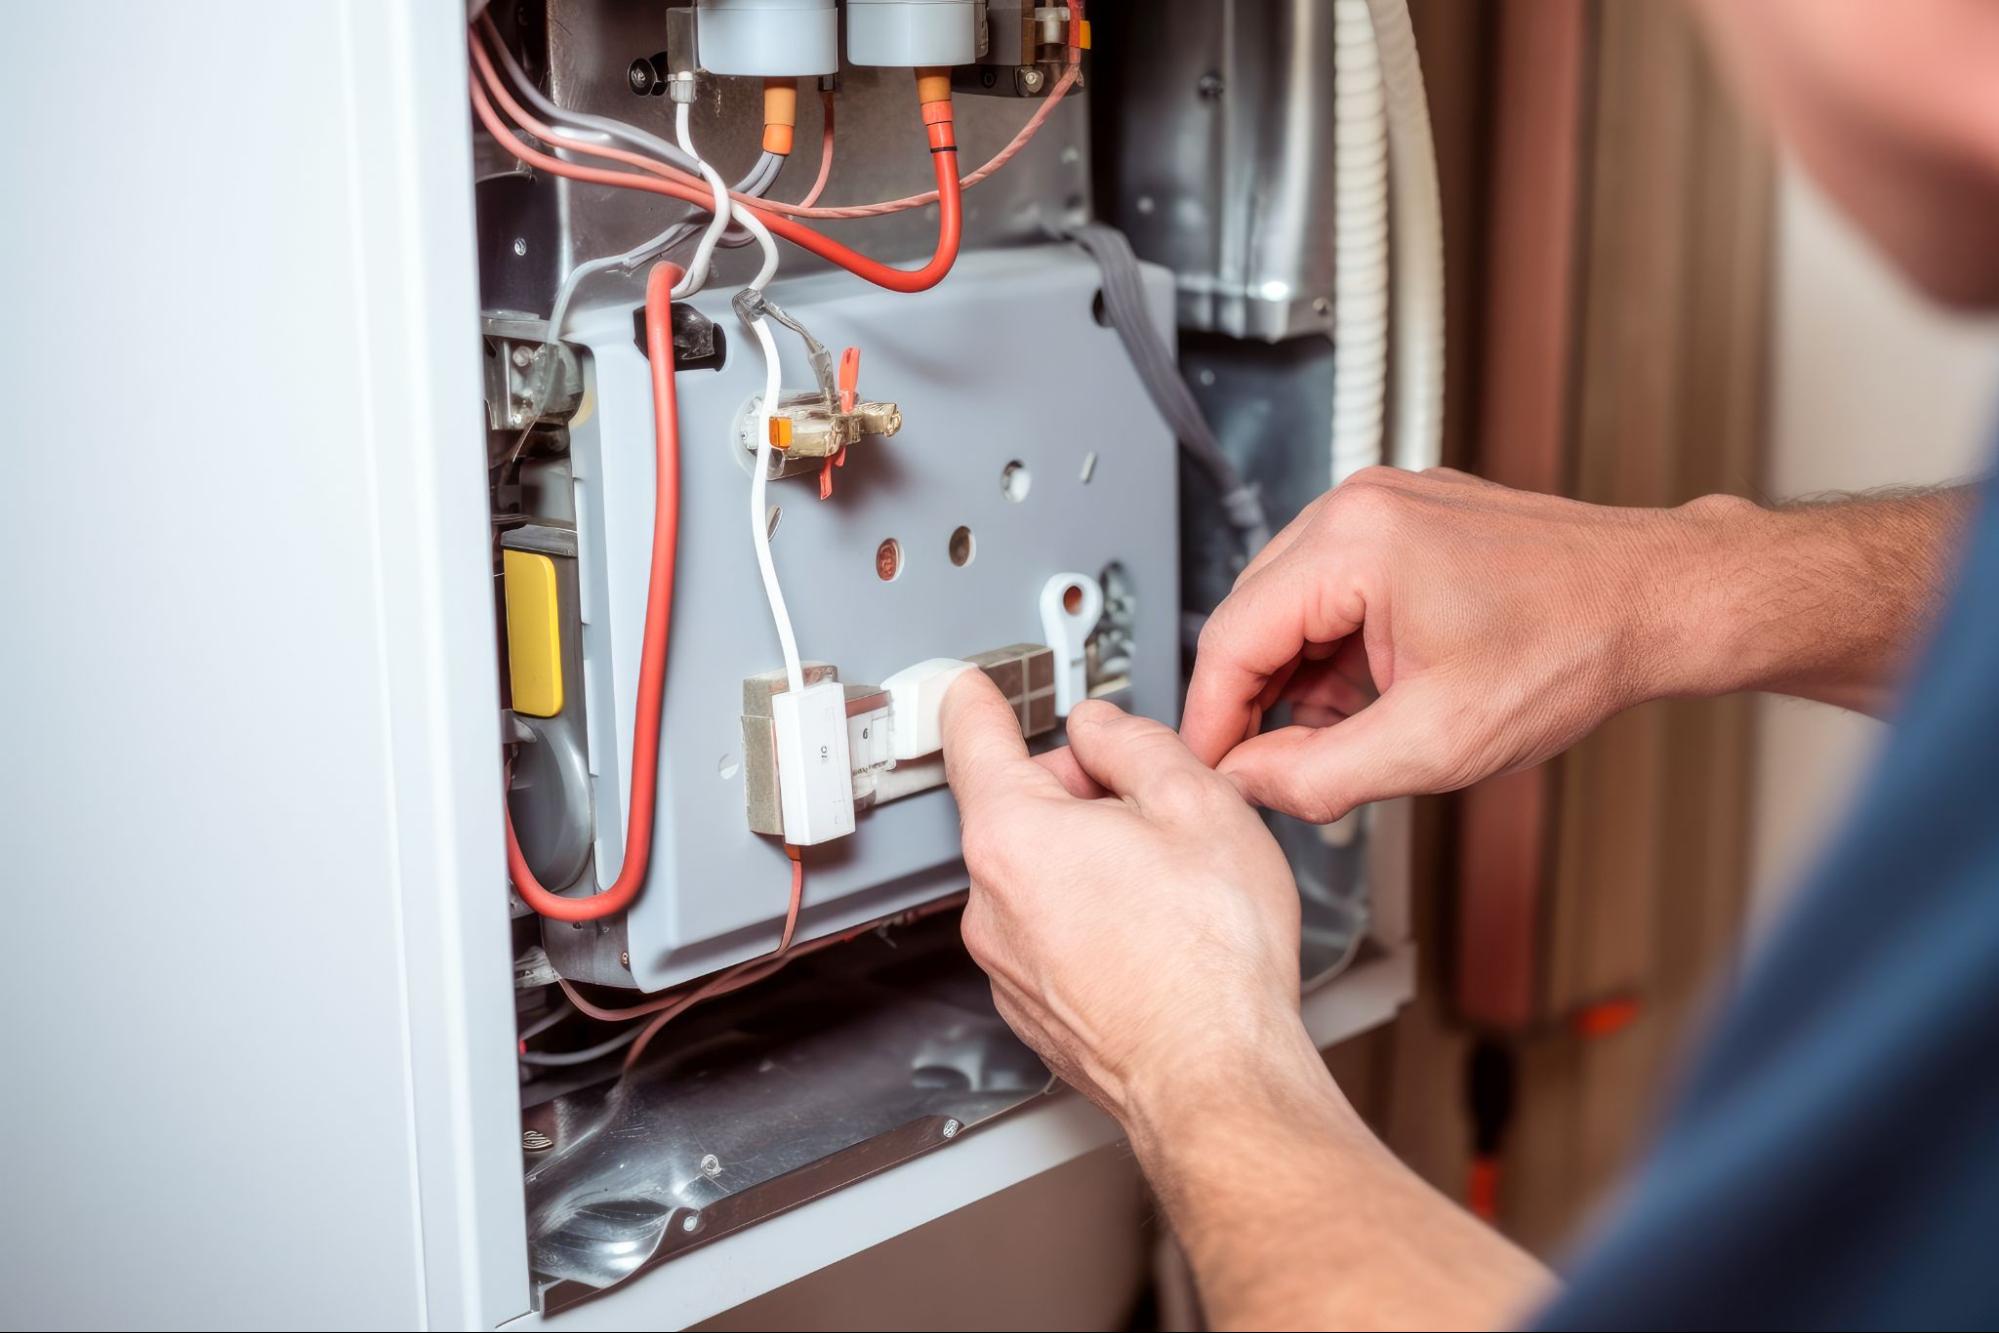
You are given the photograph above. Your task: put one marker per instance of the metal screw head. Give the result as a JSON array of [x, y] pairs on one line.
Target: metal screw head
[[1210, 86], [520, 245], [625, 959], [1030, 79], [711, 1166], [533, 1140], [641, 76], [523, 358], [691, 1223], [951, 1128]]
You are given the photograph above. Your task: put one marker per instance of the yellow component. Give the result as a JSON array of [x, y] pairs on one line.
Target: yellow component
[[534, 633], [780, 432], [1083, 35]]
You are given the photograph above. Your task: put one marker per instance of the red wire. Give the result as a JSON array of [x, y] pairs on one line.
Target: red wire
[[652, 655], [664, 180]]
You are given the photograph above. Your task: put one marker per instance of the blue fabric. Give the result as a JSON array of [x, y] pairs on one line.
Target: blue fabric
[[1834, 1160]]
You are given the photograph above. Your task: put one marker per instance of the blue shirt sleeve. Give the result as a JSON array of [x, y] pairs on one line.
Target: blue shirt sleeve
[[1833, 1160]]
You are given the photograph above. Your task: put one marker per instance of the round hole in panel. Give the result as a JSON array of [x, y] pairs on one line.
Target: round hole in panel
[[1015, 480], [888, 560], [963, 547]]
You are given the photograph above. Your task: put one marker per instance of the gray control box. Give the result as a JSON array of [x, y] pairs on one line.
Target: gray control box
[[1010, 467]]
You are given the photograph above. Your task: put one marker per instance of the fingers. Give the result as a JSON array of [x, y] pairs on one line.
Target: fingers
[[1143, 761], [1394, 747], [985, 756], [1257, 632], [1062, 763]]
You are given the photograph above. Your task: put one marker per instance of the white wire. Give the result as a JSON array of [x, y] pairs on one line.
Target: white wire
[[727, 208], [696, 276], [759, 522]]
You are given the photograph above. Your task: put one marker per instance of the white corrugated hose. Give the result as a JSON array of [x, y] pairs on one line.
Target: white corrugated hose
[[1360, 243], [1416, 356]]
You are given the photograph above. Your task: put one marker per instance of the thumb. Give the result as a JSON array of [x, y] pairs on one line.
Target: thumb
[[1396, 746]]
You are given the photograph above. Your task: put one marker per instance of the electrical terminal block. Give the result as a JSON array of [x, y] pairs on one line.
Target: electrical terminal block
[[806, 426], [892, 752]]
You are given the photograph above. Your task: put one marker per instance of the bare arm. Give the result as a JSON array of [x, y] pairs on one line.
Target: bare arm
[[1433, 629], [1294, 1216], [1140, 927], [1825, 600]]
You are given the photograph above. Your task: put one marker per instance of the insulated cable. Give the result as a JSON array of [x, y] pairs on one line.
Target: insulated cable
[[664, 180], [704, 253], [652, 655], [1152, 356], [567, 1059], [1020, 140], [826, 100]]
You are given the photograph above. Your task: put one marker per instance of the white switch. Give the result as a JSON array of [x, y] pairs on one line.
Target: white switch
[[916, 705], [815, 783], [1070, 607]]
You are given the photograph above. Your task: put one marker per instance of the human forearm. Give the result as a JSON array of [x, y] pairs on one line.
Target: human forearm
[[1825, 601], [1294, 1216]]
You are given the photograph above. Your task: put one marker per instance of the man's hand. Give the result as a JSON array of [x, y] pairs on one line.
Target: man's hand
[[1134, 914], [1141, 929], [1432, 629]]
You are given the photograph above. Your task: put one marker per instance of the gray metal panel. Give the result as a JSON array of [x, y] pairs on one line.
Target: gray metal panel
[[1002, 362], [1225, 173], [974, 1165], [258, 1062]]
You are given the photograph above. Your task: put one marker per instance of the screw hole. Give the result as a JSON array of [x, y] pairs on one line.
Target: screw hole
[[1072, 598], [963, 548], [1015, 480]]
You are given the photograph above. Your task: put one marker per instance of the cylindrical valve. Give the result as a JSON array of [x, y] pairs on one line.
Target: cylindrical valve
[[774, 38], [911, 32]]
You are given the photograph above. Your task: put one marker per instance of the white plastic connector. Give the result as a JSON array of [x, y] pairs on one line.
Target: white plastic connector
[[1070, 607], [815, 782], [916, 705]]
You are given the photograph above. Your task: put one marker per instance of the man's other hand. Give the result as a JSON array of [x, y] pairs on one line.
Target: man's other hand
[[1431, 629], [1133, 912]]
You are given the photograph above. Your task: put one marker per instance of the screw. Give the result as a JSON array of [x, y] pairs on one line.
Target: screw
[[533, 1140], [523, 357], [625, 959], [1322, 306], [641, 76], [711, 1166], [520, 245], [1210, 86], [951, 1128], [988, 77], [1030, 79], [691, 1223]]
